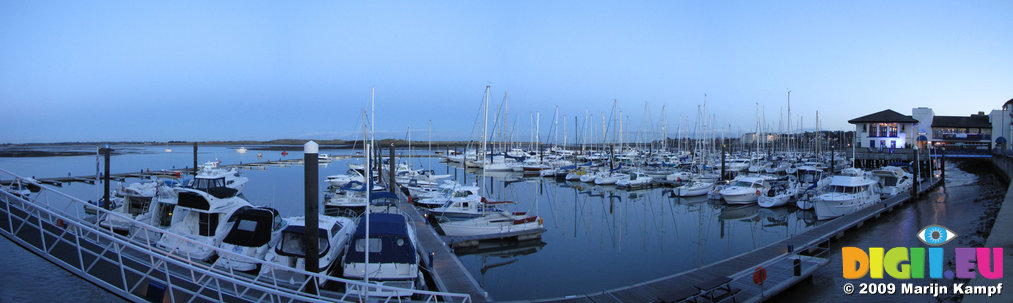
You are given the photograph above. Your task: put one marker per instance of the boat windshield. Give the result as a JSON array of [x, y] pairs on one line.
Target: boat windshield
[[744, 184], [889, 181], [461, 194], [845, 189], [292, 244]]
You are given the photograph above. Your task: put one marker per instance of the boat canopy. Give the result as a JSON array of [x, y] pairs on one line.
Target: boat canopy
[[252, 227], [193, 200], [389, 241], [383, 198]]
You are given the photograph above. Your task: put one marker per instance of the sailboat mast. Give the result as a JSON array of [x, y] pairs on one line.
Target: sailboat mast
[[485, 125]]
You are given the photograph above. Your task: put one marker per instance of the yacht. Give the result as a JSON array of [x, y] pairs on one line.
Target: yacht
[[341, 180], [132, 201], [211, 177], [847, 193], [743, 190], [893, 180], [494, 223], [635, 180], [693, 189], [779, 193], [393, 255], [464, 203], [241, 150], [333, 235], [253, 231], [200, 217]]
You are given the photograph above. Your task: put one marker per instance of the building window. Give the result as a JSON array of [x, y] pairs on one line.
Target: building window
[[872, 143]]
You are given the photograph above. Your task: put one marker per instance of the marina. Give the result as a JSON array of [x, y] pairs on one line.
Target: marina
[[786, 261], [532, 151]]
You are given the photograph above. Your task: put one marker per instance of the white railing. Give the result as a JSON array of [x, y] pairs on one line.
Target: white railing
[[64, 223]]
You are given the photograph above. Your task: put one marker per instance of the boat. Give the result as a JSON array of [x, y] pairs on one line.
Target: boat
[[610, 178], [252, 232], [893, 180], [693, 189], [343, 179], [131, 201], [779, 193], [241, 150], [212, 177], [333, 235], [393, 255], [200, 217], [575, 174], [495, 223], [743, 190], [847, 193], [635, 180], [464, 203]]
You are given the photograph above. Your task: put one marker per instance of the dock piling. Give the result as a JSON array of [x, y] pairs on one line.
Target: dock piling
[[311, 183], [106, 151], [195, 158]]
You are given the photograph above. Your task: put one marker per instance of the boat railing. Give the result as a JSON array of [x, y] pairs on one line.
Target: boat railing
[[63, 223]]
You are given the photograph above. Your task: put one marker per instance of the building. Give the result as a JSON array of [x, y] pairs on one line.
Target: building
[[885, 129], [1002, 125], [889, 129]]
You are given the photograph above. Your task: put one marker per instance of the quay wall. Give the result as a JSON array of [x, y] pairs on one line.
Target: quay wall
[[1000, 236]]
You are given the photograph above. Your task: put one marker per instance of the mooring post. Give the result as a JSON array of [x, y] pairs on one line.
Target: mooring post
[[942, 165], [195, 158], [832, 165], [916, 173], [106, 151], [311, 208], [390, 187]]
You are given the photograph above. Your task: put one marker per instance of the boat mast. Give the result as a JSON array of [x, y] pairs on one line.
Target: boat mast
[[485, 125]]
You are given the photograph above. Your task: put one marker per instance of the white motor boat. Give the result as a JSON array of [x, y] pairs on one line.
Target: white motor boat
[[847, 193], [253, 231], [132, 200], [333, 233], [738, 164], [241, 150], [778, 193], [200, 217], [635, 180], [493, 223], [575, 174], [466, 203], [210, 176], [610, 178], [393, 255], [693, 189], [341, 180], [743, 190], [893, 180]]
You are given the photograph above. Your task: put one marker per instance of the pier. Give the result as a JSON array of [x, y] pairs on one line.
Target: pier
[[786, 263]]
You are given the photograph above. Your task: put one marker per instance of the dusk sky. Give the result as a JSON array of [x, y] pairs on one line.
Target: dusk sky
[[116, 71]]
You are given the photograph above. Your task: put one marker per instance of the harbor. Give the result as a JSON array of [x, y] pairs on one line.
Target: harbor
[[786, 261], [661, 152]]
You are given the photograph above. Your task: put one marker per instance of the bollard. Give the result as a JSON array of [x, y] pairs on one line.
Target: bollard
[[798, 267], [106, 151], [195, 158], [312, 228]]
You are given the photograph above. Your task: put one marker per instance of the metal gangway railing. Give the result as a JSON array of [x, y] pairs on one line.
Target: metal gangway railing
[[66, 231]]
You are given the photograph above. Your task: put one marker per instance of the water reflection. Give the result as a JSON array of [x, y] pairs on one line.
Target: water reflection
[[599, 237]]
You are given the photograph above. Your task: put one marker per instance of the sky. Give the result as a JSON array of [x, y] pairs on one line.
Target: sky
[[249, 70]]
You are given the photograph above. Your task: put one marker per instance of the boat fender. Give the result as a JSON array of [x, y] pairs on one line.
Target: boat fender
[[758, 192], [61, 224]]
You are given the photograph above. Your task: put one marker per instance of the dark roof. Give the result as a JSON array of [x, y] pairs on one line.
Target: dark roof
[[383, 224], [980, 121], [884, 116]]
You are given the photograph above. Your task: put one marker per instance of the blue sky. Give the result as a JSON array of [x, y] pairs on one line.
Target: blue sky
[[94, 71]]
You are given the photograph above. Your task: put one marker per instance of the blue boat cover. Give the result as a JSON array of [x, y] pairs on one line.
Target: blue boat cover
[[354, 186], [391, 230]]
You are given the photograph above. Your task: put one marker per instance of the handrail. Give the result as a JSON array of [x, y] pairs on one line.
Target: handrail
[[196, 268]]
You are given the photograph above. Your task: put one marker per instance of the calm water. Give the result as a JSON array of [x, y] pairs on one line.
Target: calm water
[[598, 237]]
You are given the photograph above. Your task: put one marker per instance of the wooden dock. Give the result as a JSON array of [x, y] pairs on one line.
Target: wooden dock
[[732, 278], [164, 173], [448, 272]]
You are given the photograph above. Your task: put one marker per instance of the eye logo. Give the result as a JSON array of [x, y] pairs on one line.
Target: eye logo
[[935, 235]]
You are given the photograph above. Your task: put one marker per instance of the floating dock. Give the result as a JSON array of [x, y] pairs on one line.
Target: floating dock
[[732, 279]]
